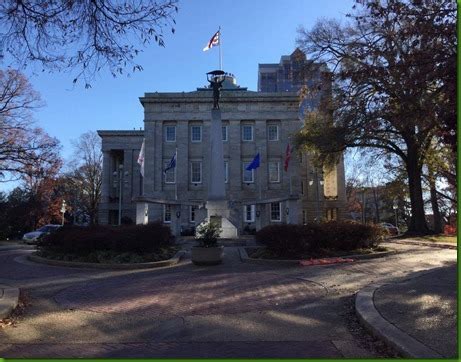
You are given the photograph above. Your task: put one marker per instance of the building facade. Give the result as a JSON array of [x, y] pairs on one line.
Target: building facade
[[292, 73], [253, 122]]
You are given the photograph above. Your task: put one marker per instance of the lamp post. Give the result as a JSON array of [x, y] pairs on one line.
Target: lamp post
[[318, 181], [118, 179], [63, 210], [395, 206]]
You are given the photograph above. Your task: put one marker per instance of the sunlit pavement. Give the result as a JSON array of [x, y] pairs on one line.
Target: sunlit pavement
[[230, 310]]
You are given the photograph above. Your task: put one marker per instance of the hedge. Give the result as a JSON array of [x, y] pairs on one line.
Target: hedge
[[128, 238], [291, 239]]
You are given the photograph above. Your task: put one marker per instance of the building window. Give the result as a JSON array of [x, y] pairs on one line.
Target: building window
[[196, 133], [249, 213], [196, 172], [226, 171], [167, 214], [276, 211], [192, 210], [224, 133], [170, 133], [274, 172], [248, 176], [331, 214], [170, 175], [304, 217], [247, 133], [273, 132], [302, 187]]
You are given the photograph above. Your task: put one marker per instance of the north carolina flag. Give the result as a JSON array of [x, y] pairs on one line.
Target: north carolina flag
[[213, 41], [287, 157], [254, 164], [141, 159], [172, 163]]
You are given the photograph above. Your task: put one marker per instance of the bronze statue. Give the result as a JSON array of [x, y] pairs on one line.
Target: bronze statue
[[216, 85]]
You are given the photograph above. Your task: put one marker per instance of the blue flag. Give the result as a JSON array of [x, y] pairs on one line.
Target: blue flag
[[254, 164], [172, 163]]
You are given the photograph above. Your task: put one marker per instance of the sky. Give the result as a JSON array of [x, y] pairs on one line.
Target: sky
[[252, 32]]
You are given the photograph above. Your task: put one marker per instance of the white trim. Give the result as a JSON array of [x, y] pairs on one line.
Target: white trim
[[192, 133], [277, 132], [226, 171], [252, 213], [269, 171], [252, 132], [190, 214], [165, 164], [280, 212], [245, 165], [166, 133], [164, 214], [191, 173]]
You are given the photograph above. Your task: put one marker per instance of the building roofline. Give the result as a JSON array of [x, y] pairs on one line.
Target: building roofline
[[226, 97], [130, 133]]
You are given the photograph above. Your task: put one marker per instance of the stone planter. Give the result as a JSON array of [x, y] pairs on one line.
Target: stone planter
[[207, 256]]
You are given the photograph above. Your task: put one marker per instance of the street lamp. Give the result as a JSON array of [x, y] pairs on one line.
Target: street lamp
[[63, 210], [318, 181], [119, 177], [395, 206]]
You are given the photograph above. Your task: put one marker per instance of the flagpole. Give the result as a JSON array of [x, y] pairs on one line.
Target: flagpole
[[175, 176], [220, 46], [259, 179]]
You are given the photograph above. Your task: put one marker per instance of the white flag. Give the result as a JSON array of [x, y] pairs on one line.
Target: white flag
[[141, 158]]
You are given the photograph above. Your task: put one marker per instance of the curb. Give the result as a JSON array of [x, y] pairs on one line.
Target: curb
[[246, 259], [75, 264], [372, 320], [16, 247], [9, 299], [425, 243]]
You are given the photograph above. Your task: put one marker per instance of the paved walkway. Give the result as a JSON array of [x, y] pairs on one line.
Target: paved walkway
[[424, 307], [231, 310]]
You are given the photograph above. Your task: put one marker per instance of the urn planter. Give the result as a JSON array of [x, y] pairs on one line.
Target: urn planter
[[207, 256]]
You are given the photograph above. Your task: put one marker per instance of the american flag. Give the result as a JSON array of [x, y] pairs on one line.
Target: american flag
[[213, 41]]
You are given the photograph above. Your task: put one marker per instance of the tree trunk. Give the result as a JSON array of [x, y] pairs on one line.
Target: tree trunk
[[435, 204], [418, 224]]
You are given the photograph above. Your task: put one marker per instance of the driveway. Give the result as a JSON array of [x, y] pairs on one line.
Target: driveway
[[231, 310]]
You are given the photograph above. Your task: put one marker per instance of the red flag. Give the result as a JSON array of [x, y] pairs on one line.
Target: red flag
[[213, 41], [287, 157]]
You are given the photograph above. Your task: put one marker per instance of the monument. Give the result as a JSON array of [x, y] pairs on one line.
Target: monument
[[217, 205]]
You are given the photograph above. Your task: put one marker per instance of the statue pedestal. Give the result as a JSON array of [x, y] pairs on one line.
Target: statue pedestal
[[217, 205], [218, 211]]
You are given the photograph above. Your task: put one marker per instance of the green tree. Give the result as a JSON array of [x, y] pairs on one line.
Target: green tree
[[394, 67]]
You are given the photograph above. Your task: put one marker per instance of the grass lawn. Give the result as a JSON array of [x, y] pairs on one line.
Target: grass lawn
[[438, 238]]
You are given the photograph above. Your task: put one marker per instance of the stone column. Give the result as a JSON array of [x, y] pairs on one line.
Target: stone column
[[217, 205], [103, 216], [216, 186]]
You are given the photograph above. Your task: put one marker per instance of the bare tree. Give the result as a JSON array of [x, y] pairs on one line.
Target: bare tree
[[22, 145], [86, 35], [86, 173]]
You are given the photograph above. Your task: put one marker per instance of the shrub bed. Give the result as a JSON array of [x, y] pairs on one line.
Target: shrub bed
[[331, 238], [105, 244]]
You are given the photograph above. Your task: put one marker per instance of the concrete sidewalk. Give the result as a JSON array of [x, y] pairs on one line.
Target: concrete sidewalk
[[416, 316]]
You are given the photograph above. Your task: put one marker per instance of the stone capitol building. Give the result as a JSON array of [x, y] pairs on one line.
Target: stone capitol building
[[178, 125]]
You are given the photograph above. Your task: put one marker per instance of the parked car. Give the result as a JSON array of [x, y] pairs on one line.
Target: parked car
[[33, 236], [391, 229]]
